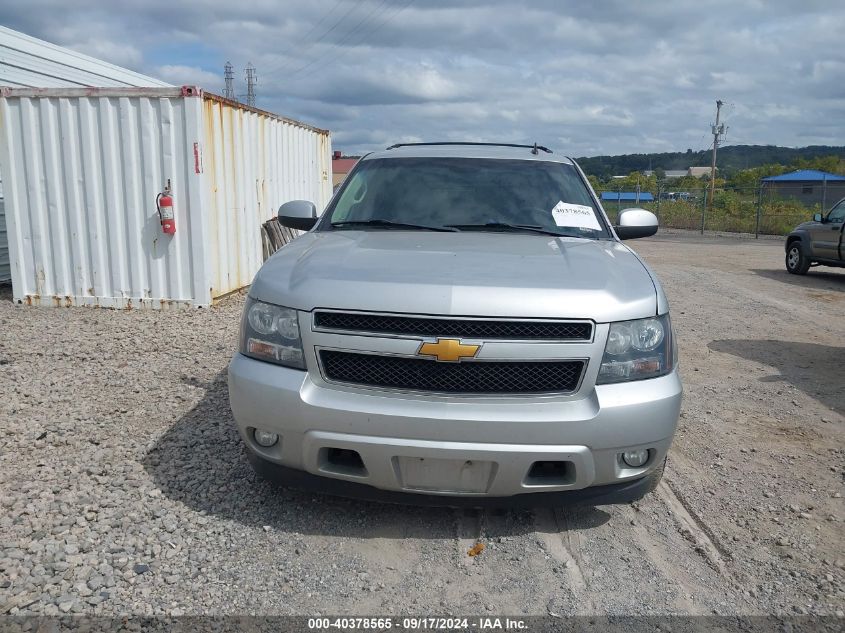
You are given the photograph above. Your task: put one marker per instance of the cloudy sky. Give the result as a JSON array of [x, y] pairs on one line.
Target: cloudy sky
[[584, 78]]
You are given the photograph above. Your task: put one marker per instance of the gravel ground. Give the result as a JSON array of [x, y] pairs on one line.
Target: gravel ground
[[124, 488]]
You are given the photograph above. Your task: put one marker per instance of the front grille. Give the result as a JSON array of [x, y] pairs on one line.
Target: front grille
[[459, 328], [416, 374]]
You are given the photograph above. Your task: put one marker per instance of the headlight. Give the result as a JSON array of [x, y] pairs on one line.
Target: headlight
[[271, 333], [639, 349]]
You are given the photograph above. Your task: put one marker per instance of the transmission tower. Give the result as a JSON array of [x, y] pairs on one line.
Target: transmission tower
[[229, 77], [251, 80]]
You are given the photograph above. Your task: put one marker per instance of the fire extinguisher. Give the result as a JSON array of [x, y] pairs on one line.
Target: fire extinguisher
[[164, 205]]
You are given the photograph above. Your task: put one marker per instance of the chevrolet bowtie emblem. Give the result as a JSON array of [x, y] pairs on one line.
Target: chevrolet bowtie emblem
[[449, 350]]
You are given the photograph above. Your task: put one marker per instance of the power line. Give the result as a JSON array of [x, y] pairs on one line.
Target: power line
[[346, 38], [340, 42], [288, 63], [305, 37], [701, 144], [384, 22]]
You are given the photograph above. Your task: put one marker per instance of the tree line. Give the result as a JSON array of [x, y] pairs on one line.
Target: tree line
[[738, 179], [732, 160]]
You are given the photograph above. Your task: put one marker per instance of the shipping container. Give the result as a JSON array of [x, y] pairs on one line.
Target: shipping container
[[5, 267], [81, 170], [29, 62]]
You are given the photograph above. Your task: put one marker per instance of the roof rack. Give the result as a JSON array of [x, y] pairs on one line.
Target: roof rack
[[535, 149]]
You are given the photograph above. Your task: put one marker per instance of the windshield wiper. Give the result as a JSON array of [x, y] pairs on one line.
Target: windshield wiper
[[391, 224], [534, 228]]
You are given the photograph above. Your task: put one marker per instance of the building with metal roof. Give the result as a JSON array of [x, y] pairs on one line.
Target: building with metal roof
[[626, 196], [669, 174], [805, 175], [699, 172], [27, 62], [341, 166], [808, 186]]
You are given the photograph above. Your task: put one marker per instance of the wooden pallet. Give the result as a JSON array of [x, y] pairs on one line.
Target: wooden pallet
[[274, 236]]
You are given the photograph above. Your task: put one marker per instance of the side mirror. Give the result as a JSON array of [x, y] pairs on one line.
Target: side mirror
[[818, 218], [298, 214], [634, 223]]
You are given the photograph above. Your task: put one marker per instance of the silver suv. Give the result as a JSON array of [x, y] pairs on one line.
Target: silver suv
[[462, 325]]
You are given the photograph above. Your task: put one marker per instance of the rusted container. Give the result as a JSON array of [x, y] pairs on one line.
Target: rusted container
[[81, 169]]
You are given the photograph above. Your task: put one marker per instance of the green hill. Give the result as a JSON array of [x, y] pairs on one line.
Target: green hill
[[731, 158]]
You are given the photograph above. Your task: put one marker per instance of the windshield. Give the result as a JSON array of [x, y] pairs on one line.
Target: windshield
[[466, 194]]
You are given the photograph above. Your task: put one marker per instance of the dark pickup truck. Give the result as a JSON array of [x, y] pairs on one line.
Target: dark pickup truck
[[817, 243]]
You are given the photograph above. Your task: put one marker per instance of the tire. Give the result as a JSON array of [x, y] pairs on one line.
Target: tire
[[656, 475], [796, 261]]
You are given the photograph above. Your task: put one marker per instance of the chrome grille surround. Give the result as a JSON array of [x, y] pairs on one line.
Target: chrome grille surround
[[404, 325]]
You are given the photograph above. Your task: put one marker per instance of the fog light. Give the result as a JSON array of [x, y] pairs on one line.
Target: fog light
[[635, 459], [265, 438]]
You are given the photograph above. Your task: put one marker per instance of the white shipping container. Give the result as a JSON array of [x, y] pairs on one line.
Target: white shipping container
[[5, 267], [81, 168], [29, 62]]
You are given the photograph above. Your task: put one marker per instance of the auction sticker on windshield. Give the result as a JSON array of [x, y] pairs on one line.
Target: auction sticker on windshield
[[575, 215]]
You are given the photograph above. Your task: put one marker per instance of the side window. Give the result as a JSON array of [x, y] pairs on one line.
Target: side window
[[837, 214]]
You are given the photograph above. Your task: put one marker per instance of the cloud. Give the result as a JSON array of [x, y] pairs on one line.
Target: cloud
[[391, 84], [584, 78], [121, 54], [189, 75]]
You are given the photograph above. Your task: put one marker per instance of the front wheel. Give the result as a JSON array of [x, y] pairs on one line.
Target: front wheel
[[656, 475], [796, 261]]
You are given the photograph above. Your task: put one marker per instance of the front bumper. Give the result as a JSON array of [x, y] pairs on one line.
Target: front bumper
[[480, 447], [624, 492]]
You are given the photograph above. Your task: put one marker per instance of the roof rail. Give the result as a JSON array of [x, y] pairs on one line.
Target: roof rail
[[534, 148]]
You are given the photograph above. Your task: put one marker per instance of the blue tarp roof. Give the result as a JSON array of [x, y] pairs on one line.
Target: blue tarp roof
[[627, 196], [805, 175]]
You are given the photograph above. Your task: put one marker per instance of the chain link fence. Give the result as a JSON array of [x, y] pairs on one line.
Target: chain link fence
[[755, 210]]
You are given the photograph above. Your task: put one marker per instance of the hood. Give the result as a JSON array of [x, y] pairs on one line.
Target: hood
[[459, 274]]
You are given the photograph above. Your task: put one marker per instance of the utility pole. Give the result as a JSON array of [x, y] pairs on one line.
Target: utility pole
[[251, 80], [229, 78], [718, 130], [657, 212]]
